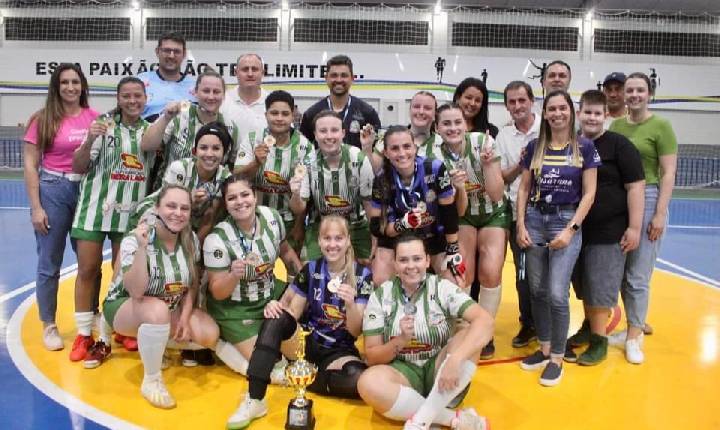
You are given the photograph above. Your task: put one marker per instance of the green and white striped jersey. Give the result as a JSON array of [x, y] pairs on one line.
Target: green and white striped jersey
[[179, 138], [272, 180], [116, 179], [184, 172], [338, 191], [169, 272], [479, 202], [438, 303], [227, 243], [425, 150]]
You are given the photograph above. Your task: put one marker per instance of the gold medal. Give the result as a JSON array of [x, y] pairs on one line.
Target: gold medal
[[300, 170], [252, 258], [334, 284], [269, 141]]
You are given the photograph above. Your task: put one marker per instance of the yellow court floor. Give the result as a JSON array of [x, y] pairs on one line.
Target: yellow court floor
[[678, 387]]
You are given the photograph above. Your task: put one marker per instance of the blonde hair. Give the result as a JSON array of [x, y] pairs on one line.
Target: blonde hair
[[349, 268], [545, 136], [186, 234]]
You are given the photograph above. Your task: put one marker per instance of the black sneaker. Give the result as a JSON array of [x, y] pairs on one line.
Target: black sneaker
[[524, 337], [488, 350], [204, 357], [551, 375], [570, 355], [188, 358], [534, 361]]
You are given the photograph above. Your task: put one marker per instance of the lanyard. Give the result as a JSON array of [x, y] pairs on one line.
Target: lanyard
[[412, 197], [244, 242], [346, 108]]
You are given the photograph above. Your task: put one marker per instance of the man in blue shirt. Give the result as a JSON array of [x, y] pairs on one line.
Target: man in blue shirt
[[167, 83]]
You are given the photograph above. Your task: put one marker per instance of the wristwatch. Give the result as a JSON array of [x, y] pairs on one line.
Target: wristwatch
[[575, 227]]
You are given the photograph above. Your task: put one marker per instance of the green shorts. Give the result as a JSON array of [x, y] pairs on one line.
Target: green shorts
[[421, 378], [110, 308], [500, 217], [239, 322], [96, 236], [359, 237]]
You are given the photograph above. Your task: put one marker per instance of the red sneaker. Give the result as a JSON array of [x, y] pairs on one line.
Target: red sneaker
[[80, 347], [129, 343], [97, 353]]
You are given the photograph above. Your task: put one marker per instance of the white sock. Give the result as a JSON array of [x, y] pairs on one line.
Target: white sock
[[489, 299], [436, 401], [407, 403], [152, 339], [84, 323], [103, 328], [231, 357]]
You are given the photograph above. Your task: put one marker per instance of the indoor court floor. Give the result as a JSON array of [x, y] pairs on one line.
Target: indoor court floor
[[676, 387]]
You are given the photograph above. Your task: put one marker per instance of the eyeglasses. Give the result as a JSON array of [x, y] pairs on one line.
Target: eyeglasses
[[168, 51]]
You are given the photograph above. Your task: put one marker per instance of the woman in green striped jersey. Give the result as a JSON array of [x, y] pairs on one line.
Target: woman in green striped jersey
[[480, 194], [173, 133], [115, 171], [270, 156], [407, 327], [240, 255], [422, 127], [337, 180], [152, 294]]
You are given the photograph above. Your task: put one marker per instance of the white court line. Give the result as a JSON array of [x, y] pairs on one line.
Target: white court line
[[15, 208], [41, 382], [698, 227], [697, 276], [17, 291]]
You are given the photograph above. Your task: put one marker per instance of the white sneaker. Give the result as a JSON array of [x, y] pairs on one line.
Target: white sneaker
[[468, 419], [633, 350], [618, 338], [277, 376], [155, 392], [52, 339], [248, 410]]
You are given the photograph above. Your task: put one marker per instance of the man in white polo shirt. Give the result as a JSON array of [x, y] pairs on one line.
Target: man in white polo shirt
[[511, 142], [246, 104]]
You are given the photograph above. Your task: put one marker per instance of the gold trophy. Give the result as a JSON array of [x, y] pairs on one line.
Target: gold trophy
[[300, 374]]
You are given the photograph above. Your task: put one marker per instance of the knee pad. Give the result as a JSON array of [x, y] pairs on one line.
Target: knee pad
[[343, 383], [267, 346]]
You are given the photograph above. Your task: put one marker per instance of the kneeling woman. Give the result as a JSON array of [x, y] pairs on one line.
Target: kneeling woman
[[152, 296], [240, 255], [417, 367], [332, 291], [413, 193]]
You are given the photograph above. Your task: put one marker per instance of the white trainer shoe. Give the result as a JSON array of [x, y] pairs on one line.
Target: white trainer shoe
[[248, 410], [468, 419], [277, 376], [618, 338], [52, 339], [633, 350], [155, 392]]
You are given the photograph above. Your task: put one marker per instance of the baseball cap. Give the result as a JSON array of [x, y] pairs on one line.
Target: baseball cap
[[615, 77]]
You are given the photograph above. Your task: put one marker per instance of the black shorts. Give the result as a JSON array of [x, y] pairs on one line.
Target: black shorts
[[435, 244], [322, 356]]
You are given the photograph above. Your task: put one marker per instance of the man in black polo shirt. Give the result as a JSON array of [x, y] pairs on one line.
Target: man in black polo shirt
[[354, 112]]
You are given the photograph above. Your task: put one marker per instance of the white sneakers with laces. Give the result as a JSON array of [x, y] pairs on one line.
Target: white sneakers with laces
[[52, 339], [248, 410], [633, 350], [153, 389]]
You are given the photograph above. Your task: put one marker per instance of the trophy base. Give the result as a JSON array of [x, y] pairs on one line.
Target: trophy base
[[300, 417]]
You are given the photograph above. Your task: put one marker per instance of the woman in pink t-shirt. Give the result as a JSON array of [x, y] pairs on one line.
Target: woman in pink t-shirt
[[53, 134]]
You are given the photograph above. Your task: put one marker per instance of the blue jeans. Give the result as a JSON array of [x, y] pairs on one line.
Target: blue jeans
[[521, 283], [58, 197], [639, 266], [548, 273]]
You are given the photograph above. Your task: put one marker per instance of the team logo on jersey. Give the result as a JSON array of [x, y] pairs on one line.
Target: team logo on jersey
[[131, 161], [218, 254], [333, 312], [275, 183], [444, 180], [415, 347], [263, 269], [174, 288], [472, 187], [336, 202], [180, 177], [436, 318]]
